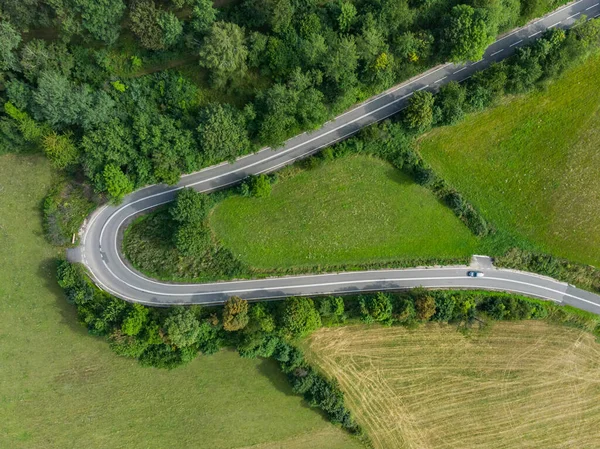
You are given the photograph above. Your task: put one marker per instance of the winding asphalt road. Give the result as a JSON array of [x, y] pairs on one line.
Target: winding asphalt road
[[100, 240]]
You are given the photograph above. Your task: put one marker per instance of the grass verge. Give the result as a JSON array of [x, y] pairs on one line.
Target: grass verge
[[62, 388]]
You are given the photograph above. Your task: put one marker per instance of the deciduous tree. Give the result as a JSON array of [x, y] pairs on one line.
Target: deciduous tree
[[223, 52], [466, 34], [181, 327], [418, 115], [190, 206], [117, 183], [376, 308], [60, 149], [300, 316], [235, 314], [425, 307], [222, 133]]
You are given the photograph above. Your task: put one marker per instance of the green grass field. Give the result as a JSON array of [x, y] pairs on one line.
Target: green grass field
[[354, 210], [60, 387], [532, 165]]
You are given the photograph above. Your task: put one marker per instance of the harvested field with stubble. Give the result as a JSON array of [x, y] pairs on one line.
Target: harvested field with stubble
[[517, 385]]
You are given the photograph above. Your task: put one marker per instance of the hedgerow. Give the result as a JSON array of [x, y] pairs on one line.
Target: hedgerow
[[584, 276], [170, 337]]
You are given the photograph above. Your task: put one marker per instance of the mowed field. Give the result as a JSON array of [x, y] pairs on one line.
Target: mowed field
[[518, 385], [62, 388], [357, 209], [532, 165]]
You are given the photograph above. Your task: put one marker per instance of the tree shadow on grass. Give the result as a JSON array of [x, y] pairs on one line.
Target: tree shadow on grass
[[399, 176], [47, 271], [270, 369]]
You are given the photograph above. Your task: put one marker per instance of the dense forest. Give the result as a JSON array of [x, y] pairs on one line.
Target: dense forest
[[128, 93]]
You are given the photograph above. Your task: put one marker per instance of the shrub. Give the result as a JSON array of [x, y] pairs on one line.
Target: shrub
[[584, 276], [425, 307], [376, 308], [64, 210], [189, 206], [331, 309], [235, 314], [405, 311], [258, 186], [299, 316], [444, 307]]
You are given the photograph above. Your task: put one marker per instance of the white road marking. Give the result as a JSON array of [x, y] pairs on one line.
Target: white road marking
[[329, 143], [554, 24], [392, 91], [570, 5], [597, 15], [496, 52], [275, 155], [441, 79], [516, 43], [356, 281], [481, 60], [534, 34], [593, 6], [421, 88], [459, 70], [574, 15], [465, 79]]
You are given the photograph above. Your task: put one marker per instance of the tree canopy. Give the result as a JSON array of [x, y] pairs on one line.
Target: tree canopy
[[223, 52], [465, 34]]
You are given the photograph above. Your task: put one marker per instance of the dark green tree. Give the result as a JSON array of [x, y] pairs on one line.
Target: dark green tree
[[101, 18], [465, 34], [156, 29], [340, 66], [9, 41], [277, 109], [418, 115], [111, 143], [203, 15], [450, 104], [190, 206], [37, 56], [222, 133], [300, 317], [223, 52], [376, 308]]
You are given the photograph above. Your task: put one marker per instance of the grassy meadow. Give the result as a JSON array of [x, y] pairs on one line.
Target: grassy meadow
[[60, 387], [353, 210], [532, 165], [517, 385]]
